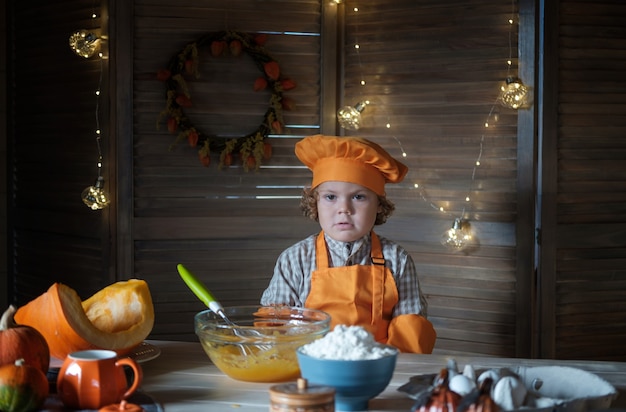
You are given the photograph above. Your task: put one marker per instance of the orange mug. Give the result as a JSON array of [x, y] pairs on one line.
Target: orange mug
[[92, 379]]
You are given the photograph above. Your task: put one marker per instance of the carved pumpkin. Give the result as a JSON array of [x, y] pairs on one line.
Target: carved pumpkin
[[23, 388], [22, 342], [118, 317]]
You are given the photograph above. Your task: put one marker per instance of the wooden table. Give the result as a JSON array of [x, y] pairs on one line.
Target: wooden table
[[182, 379]]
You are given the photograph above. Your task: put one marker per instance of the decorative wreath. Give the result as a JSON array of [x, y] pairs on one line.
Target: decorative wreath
[[183, 66]]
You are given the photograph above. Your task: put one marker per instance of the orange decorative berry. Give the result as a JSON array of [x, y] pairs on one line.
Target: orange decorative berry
[[192, 138], [228, 159], [272, 69], [277, 126], [267, 150], [287, 84], [183, 101], [172, 125], [287, 103], [235, 47], [163, 75], [260, 39], [189, 66], [204, 159], [217, 47], [250, 162], [260, 84]]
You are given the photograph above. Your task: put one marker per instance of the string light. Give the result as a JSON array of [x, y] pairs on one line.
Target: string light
[[349, 117], [95, 197], [514, 93], [84, 43], [459, 236]]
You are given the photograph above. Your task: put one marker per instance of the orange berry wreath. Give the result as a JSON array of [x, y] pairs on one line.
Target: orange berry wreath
[[183, 66]]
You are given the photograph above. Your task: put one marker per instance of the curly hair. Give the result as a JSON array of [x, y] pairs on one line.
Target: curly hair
[[308, 205]]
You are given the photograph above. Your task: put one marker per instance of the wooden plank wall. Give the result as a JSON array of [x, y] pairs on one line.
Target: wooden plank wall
[[433, 71], [52, 152], [589, 280], [227, 225]]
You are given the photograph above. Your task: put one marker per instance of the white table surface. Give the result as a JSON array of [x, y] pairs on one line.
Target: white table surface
[[183, 379]]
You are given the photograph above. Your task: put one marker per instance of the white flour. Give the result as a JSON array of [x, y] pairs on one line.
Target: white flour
[[347, 343]]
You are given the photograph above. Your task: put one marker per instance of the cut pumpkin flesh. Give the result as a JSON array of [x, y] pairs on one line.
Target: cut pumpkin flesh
[[118, 317]]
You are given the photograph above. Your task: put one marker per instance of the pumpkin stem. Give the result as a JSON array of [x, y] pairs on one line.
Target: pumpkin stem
[[7, 322]]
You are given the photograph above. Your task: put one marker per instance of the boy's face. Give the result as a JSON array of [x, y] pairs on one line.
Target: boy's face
[[346, 211]]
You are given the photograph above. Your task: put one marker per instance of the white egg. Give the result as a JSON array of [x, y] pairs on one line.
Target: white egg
[[461, 384], [490, 373], [452, 367], [509, 393], [469, 371]]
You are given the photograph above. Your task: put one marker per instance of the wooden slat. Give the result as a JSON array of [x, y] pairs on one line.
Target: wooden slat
[[589, 282], [433, 72], [212, 220]]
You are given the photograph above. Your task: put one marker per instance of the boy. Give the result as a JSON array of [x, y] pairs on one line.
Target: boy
[[347, 270]]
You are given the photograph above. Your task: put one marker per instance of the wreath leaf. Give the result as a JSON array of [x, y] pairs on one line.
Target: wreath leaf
[[183, 66]]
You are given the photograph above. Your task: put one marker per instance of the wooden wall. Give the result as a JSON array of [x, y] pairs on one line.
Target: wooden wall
[[52, 152], [227, 225], [584, 204], [433, 70]]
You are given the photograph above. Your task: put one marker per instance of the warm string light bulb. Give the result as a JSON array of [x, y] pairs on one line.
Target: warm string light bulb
[[96, 197], [514, 93], [459, 236], [84, 43], [349, 117]]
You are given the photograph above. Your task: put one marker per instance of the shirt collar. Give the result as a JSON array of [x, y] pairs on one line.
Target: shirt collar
[[344, 250]]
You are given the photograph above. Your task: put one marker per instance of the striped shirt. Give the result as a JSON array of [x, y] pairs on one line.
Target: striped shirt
[[291, 282]]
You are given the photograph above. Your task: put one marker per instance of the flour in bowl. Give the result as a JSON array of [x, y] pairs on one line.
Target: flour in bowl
[[347, 343]]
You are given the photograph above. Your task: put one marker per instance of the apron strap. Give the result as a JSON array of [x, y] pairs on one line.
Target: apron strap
[[321, 252], [378, 279]]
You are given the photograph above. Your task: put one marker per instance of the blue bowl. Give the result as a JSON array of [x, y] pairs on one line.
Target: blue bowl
[[355, 381]]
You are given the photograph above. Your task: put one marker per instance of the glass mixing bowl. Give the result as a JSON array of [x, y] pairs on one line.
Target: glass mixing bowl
[[262, 346]]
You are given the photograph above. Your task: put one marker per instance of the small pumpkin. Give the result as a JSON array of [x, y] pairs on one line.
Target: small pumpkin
[[479, 400], [441, 399], [23, 388], [22, 341], [118, 317]]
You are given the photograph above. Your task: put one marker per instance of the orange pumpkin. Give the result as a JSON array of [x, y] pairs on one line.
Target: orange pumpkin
[[22, 341], [442, 399], [23, 387], [118, 317]]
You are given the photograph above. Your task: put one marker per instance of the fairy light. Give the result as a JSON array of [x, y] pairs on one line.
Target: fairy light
[[349, 117], [96, 197], [460, 235], [514, 92]]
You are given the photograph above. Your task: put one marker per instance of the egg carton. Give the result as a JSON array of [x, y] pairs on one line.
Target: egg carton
[[564, 389], [526, 389]]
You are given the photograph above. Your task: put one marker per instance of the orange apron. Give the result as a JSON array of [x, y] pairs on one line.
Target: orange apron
[[365, 295]]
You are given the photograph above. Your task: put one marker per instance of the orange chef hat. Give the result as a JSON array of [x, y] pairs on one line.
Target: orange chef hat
[[349, 159]]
